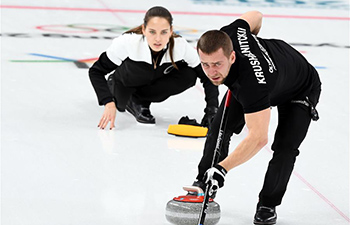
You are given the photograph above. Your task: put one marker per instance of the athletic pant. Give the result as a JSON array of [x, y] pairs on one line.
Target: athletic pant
[[157, 91], [293, 123]]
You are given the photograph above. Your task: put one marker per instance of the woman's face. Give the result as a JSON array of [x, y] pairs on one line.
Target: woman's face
[[157, 32]]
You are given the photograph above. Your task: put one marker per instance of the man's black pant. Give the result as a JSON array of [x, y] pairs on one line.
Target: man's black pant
[[293, 123]]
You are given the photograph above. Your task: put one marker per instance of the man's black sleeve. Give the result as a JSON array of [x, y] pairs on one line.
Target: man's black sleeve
[[97, 74], [211, 91]]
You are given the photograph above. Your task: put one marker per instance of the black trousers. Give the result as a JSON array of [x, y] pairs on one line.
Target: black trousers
[[293, 123], [157, 91]]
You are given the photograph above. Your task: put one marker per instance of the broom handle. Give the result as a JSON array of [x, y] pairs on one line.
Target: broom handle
[[218, 145]]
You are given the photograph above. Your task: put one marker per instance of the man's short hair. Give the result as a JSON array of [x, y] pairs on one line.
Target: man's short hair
[[213, 40]]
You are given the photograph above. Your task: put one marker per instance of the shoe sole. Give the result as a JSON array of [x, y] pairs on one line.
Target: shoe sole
[[143, 122], [264, 223]]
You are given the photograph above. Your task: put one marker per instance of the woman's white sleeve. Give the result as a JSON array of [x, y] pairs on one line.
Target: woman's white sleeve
[[117, 51], [191, 55]]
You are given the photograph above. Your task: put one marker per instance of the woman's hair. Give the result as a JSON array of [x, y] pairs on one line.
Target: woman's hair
[[162, 12], [213, 40]]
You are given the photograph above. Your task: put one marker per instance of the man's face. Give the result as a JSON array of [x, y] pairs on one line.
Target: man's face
[[216, 65]]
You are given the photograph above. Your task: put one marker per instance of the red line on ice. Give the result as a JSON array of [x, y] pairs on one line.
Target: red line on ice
[[173, 12], [324, 198]]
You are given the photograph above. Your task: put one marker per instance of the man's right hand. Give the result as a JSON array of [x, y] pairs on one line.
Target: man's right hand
[[108, 116], [216, 177]]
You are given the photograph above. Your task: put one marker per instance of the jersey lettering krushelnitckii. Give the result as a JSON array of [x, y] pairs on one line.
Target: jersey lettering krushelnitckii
[[266, 72], [254, 61]]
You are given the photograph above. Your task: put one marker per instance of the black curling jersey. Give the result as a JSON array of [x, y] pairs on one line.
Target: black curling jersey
[[267, 72], [130, 56]]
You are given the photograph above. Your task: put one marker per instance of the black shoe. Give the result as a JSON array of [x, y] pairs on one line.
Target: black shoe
[[141, 113], [265, 215]]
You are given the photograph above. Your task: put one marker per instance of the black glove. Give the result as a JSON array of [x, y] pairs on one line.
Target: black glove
[[208, 117], [188, 121], [215, 176]]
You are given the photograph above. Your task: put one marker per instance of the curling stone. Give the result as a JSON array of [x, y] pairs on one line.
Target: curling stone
[[185, 209]]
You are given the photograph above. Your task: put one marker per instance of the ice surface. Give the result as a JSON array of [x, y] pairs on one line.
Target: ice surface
[[58, 168]]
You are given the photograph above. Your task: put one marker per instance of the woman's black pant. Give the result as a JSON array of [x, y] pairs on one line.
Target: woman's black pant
[[293, 123], [157, 90]]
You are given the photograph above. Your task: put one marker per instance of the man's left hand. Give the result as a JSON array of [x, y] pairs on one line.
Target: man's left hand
[[208, 117]]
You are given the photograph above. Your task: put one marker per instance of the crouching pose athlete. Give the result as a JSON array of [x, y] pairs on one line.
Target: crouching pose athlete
[[261, 73], [150, 64]]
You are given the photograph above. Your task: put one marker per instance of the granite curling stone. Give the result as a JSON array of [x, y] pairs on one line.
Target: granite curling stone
[[185, 210]]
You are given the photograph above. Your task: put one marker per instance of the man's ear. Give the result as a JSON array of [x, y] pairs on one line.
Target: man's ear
[[232, 57]]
